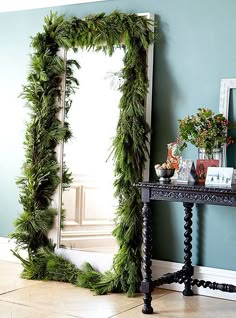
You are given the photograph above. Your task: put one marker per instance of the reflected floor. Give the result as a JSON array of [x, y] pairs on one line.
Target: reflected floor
[[110, 246], [98, 249]]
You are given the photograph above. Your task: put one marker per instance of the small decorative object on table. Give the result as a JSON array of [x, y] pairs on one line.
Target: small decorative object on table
[[174, 154], [206, 131], [202, 166], [164, 172], [187, 172], [219, 177], [217, 154]]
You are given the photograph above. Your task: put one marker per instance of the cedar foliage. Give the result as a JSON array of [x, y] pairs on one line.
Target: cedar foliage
[[40, 172]]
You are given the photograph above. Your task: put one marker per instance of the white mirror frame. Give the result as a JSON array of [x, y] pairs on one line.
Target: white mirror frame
[[225, 86], [100, 261]]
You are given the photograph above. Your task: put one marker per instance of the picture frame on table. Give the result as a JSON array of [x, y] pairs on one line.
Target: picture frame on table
[[202, 166], [219, 176], [187, 172]]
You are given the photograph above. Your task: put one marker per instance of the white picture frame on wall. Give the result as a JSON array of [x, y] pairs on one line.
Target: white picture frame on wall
[[225, 86]]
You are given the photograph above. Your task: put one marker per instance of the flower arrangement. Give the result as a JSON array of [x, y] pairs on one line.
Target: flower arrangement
[[204, 130]]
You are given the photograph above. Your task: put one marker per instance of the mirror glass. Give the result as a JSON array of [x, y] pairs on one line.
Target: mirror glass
[[89, 204]]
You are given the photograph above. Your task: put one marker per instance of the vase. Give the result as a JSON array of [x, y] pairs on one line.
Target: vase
[[216, 154]]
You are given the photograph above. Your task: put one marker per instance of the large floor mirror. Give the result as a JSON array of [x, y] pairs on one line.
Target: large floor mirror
[[89, 204]]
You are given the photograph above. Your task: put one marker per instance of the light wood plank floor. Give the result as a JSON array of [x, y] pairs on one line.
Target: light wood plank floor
[[35, 299]]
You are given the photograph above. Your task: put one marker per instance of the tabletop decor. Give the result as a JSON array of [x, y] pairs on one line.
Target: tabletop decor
[[202, 166], [205, 130], [187, 172], [219, 177], [164, 172], [174, 154]]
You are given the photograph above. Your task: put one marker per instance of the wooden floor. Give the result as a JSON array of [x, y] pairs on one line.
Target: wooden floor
[[33, 299]]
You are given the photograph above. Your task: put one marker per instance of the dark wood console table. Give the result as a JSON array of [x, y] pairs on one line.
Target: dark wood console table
[[188, 195]]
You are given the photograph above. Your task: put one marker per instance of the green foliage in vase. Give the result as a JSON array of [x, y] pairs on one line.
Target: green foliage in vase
[[205, 130], [46, 130]]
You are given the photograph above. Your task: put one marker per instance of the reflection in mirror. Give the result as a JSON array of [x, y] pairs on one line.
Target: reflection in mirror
[[89, 204]]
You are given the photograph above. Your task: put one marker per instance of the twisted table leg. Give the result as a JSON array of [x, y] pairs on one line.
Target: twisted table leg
[[188, 268], [147, 284]]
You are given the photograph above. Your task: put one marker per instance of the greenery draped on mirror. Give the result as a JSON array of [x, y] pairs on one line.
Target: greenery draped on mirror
[[45, 131]]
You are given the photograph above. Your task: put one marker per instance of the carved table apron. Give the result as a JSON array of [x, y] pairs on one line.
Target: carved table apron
[[188, 195]]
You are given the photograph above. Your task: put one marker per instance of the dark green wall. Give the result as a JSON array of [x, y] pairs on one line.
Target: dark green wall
[[196, 49]]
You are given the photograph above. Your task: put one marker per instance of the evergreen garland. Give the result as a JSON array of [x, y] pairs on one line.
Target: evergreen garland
[[45, 131]]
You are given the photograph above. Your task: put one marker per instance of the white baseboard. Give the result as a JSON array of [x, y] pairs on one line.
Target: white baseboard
[[205, 273]]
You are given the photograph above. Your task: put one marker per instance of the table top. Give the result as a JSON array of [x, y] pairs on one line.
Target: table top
[[187, 186], [194, 193]]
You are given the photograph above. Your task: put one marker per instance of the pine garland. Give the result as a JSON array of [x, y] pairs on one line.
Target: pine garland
[[45, 131]]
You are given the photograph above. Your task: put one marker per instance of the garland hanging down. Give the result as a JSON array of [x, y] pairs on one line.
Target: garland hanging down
[[45, 131]]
